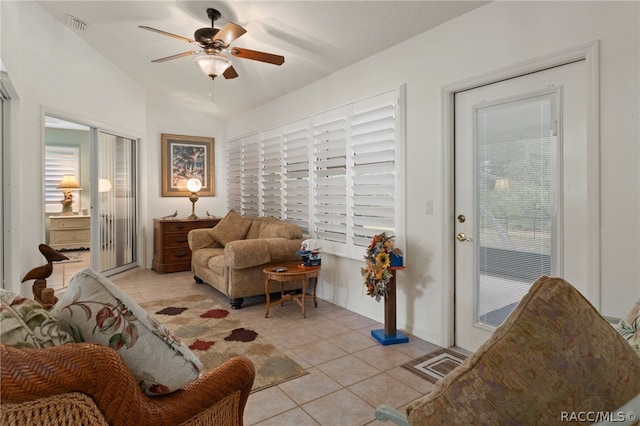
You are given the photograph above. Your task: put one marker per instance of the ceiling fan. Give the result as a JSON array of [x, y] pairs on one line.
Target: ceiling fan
[[214, 43]]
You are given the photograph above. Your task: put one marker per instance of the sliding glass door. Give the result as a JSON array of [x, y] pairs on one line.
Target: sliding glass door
[[114, 228]]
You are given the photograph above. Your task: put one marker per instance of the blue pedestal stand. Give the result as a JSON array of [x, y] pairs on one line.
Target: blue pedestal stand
[[384, 339], [389, 335]]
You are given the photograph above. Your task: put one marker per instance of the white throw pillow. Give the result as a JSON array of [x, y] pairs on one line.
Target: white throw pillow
[[93, 309]]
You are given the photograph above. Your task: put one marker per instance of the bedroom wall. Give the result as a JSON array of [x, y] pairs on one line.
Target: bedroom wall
[[492, 37]]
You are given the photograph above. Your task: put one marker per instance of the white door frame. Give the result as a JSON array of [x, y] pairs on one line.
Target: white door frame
[[587, 52]]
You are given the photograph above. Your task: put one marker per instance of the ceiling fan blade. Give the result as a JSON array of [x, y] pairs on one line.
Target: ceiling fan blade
[[229, 32], [179, 55], [257, 56], [230, 73], [155, 30]]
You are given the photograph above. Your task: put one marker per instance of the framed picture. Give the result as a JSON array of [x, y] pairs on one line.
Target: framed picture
[[186, 157]]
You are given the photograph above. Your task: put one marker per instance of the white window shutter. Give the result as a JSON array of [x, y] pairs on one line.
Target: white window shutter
[[271, 186], [338, 175], [330, 178], [375, 167], [234, 175], [58, 161], [250, 196], [296, 174]]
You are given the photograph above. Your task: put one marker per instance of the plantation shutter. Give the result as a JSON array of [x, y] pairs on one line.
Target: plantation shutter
[[374, 146], [250, 196], [296, 174], [338, 175], [330, 178], [271, 176], [234, 175], [58, 161]]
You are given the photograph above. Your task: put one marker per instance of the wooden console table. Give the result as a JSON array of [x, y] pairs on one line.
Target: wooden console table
[[171, 251], [389, 335]]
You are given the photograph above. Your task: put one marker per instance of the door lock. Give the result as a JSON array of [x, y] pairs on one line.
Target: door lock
[[461, 218], [462, 237]]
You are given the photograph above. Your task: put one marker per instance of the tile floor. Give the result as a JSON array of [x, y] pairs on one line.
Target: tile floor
[[349, 372]]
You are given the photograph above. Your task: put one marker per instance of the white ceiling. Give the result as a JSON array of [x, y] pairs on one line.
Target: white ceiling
[[317, 38]]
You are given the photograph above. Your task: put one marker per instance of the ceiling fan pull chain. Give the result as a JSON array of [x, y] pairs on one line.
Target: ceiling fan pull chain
[[211, 89]]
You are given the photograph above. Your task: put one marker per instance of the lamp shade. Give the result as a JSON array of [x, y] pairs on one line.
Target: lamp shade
[[69, 182], [104, 185], [194, 185], [213, 65]]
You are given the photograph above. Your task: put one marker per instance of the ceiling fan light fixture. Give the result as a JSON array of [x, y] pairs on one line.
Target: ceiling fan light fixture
[[213, 65]]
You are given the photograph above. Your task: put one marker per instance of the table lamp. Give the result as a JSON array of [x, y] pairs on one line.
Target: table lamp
[[193, 185], [68, 184]]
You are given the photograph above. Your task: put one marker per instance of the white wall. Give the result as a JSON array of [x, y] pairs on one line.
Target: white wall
[[167, 117], [60, 73], [492, 37]]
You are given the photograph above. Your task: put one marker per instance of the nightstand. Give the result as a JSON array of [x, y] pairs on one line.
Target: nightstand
[[69, 232]]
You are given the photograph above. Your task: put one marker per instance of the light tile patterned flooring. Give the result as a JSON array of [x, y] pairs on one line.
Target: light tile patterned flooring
[[350, 373]]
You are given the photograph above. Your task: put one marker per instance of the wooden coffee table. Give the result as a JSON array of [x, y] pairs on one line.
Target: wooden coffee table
[[286, 272]]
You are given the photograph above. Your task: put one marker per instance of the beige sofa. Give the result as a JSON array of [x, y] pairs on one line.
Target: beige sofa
[[231, 256]]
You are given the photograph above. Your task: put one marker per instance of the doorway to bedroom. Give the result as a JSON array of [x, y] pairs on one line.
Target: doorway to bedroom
[[90, 198]]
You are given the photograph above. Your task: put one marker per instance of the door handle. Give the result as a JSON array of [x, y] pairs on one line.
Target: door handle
[[462, 237]]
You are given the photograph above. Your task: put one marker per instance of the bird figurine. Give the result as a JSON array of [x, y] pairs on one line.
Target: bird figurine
[[171, 215], [40, 274]]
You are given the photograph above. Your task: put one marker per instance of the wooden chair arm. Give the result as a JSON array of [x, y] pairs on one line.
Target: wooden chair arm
[[99, 372]]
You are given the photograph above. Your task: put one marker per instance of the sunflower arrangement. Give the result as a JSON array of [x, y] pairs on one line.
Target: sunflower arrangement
[[376, 272]]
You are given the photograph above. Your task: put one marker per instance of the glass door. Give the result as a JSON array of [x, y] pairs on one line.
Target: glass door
[[520, 194], [116, 223]]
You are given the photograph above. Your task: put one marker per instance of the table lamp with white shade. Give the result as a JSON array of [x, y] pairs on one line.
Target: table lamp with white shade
[[68, 184]]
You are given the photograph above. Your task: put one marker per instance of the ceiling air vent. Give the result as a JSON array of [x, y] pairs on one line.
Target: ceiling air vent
[[76, 24]]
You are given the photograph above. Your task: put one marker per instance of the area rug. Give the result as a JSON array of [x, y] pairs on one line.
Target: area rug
[[435, 365], [215, 335]]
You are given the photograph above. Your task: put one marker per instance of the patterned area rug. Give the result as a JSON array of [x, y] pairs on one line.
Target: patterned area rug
[[215, 334], [435, 365]]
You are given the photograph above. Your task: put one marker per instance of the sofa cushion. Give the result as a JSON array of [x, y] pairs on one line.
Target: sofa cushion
[[201, 238], [246, 254], [232, 227], [256, 224], [554, 354], [280, 229], [95, 310], [24, 323], [202, 256], [629, 327], [216, 264], [283, 250]]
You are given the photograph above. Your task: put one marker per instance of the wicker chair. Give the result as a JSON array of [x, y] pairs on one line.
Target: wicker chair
[[86, 383]]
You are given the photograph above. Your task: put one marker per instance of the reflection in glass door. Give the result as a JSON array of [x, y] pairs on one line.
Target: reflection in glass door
[[116, 203]]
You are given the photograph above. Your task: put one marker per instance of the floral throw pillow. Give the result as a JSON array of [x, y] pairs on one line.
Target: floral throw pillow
[[24, 323], [96, 310], [629, 327]]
